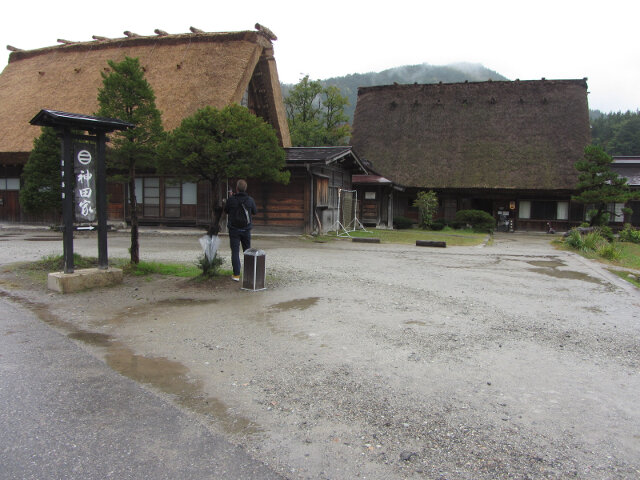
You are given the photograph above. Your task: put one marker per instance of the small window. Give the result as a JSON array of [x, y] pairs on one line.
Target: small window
[[369, 195], [189, 193], [615, 212], [541, 210], [525, 209], [172, 200], [13, 184], [138, 189], [9, 184], [172, 195], [151, 197], [562, 212], [576, 212]]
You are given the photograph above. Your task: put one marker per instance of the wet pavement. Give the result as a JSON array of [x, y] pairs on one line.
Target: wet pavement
[[65, 414]]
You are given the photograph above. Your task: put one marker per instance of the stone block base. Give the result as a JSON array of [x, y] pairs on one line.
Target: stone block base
[[83, 279]]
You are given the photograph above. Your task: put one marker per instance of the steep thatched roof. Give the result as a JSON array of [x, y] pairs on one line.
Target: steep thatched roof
[[512, 135], [186, 71]]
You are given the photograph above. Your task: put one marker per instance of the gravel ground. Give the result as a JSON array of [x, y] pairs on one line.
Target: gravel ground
[[509, 360]]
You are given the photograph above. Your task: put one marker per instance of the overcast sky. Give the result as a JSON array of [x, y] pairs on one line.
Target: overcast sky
[[555, 39]]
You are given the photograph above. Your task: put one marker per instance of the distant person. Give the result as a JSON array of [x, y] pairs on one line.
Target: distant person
[[240, 209]]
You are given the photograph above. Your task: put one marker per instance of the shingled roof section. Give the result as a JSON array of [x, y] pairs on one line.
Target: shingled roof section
[[629, 168], [187, 72], [496, 134], [303, 156]]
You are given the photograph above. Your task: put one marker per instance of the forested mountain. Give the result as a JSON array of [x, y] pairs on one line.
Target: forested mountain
[[423, 73], [616, 132]]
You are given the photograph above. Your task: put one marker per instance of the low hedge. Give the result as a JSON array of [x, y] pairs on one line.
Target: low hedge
[[478, 220], [402, 223]]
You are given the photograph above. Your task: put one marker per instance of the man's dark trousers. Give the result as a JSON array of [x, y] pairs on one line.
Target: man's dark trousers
[[238, 236]]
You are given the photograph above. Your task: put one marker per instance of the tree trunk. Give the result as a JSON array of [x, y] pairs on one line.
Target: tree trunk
[[216, 209], [133, 207], [595, 220]]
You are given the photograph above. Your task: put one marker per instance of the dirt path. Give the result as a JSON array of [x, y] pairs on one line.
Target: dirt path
[[512, 360]]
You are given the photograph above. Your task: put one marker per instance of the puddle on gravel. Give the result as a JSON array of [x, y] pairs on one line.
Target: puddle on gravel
[[166, 375], [550, 268], [183, 302], [567, 274], [172, 377], [43, 239], [300, 304], [147, 308], [547, 263], [91, 338]]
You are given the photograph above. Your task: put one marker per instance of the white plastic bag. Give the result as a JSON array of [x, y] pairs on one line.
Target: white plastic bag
[[210, 246]]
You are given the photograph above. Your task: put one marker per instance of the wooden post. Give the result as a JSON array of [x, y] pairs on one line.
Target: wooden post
[[67, 201], [430, 243], [101, 203]]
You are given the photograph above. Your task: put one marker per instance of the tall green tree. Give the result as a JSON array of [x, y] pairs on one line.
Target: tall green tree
[[337, 130], [214, 145], [316, 114], [599, 186], [126, 95], [42, 190]]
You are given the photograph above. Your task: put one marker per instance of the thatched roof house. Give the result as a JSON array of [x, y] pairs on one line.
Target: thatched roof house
[[512, 135], [186, 71], [494, 145]]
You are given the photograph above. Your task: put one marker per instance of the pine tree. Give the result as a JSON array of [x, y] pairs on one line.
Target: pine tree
[[599, 186], [42, 191], [214, 145], [126, 95]]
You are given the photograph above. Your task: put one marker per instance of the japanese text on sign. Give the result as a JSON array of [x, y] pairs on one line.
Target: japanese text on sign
[[85, 190]]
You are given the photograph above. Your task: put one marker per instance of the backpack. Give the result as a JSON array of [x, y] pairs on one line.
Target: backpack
[[239, 217]]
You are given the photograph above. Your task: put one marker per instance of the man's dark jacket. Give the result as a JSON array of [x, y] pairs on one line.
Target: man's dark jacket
[[235, 201]]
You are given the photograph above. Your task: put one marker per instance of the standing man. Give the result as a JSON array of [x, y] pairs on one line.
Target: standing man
[[239, 208]]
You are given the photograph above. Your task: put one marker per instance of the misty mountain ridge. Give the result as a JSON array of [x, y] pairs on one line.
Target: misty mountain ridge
[[422, 73]]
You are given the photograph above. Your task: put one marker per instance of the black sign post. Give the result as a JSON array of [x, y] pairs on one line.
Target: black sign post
[[84, 182], [67, 200], [101, 192]]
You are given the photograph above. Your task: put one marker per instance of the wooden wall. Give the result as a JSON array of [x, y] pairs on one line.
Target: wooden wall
[[281, 205], [9, 206]]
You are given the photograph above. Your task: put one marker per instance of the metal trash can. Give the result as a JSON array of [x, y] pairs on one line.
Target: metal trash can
[[254, 270]]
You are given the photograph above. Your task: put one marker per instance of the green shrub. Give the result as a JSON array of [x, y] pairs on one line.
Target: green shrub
[[438, 225], [402, 223], [574, 240], [478, 220], [427, 203], [606, 232], [209, 268], [609, 251], [593, 241], [630, 234]]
